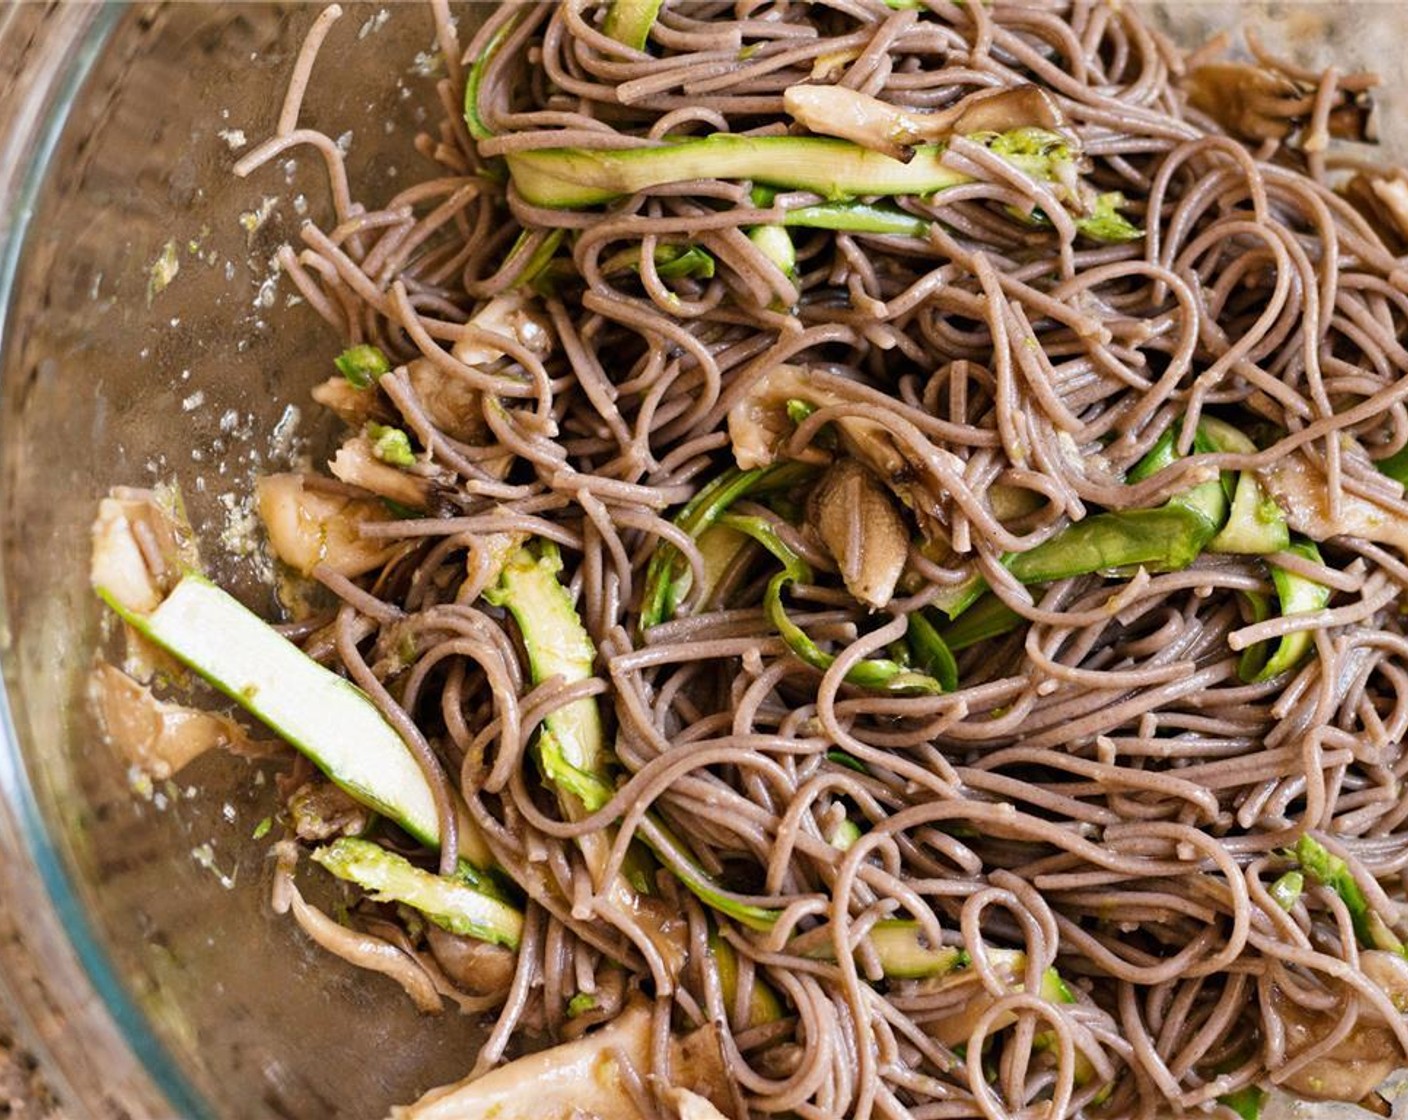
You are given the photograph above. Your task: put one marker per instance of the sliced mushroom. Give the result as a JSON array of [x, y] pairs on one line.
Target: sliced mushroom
[[1001, 110], [691, 1106], [893, 130], [759, 424], [142, 543], [307, 527], [858, 523], [1383, 200], [971, 998], [365, 951], [1261, 103], [158, 737], [581, 1077], [355, 406], [321, 811], [423, 488], [454, 406], [514, 316], [697, 1065], [474, 966], [1356, 1066], [1299, 488]]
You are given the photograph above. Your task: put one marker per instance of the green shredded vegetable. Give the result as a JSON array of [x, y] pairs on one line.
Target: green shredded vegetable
[[362, 365]]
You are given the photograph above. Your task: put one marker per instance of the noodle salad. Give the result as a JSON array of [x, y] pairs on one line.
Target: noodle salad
[[864, 576]]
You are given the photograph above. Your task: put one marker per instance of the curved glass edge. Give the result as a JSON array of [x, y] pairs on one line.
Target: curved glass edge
[[39, 133]]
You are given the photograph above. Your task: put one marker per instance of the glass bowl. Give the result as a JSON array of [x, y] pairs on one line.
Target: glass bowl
[[135, 938]]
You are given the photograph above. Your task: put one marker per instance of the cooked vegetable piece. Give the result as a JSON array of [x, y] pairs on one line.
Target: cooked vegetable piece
[[678, 262], [1255, 523], [1104, 221], [834, 169], [877, 673], [1382, 198], [125, 567], [691, 1106], [568, 178], [320, 810], [517, 318], [858, 217], [1297, 595], [833, 110], [668, 578], [904, 953], [1010, 967], [1160, 540], [326, 717], [391, 445], [629, 21], [855, 517], [362, 365], [576, 1078], [1327, 869], [1167, 538], [930, 652], [763, 1004], [537, 263], [1287, 889], [845, 835], [775, 244], [460, 905], [1357, 1065], [1260, 103], [353, 406], [357, 464], [989, 618], [156, 736], [1246, 1103], [475, 966], [474, 80], [571, 747], [365, 951], [1300, 488]]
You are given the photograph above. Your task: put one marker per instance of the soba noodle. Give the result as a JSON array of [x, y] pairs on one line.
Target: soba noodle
[[1102, 791]]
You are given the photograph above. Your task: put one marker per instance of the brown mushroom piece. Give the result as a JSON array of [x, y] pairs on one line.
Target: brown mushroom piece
[[1262, 103], [156, 736], [513, 316], [422, 487], [759, 424], [142, 543], [893, 130], [352, 405], [582, 1077], [857, 521], [478, 967], [1383, 200], [308, 527], [321, 811], [365, 951], [1299, 487], [1355, 1067], [454, 406]]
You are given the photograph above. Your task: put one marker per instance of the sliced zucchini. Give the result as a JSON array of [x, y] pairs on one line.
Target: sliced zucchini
[[327, 718], [459, 905]]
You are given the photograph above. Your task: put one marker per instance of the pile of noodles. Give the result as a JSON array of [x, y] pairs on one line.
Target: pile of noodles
[[1101, 791]]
